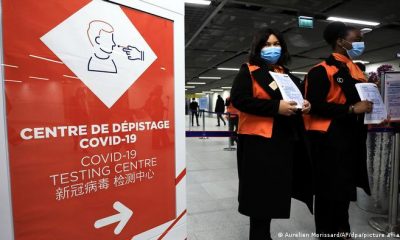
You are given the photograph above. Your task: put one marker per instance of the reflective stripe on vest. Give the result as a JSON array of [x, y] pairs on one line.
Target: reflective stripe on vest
[[335, 95], [251, 124]]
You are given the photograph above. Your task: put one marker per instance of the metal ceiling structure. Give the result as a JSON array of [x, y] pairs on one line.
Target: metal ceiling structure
[[219, 35]]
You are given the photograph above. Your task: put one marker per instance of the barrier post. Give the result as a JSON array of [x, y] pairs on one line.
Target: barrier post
[[204, 125], [230, 146], [390, 225], [190, 120], [394, 186]]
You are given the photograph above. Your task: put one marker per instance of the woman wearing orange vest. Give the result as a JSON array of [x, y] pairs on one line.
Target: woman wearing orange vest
[[336, 130], [273, 163]]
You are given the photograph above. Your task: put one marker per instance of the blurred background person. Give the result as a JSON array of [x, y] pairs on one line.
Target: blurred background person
[[194, 109], [220, 109]]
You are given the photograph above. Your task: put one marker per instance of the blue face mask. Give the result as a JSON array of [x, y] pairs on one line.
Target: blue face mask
[[271, 54], [357, 50]]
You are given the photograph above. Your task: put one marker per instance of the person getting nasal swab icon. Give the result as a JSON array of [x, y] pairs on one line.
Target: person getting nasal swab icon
[[101, 37], [133, 52]]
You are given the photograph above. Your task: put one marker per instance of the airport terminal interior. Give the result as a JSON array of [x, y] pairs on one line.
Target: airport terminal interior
[[105, 135], [217, 43]]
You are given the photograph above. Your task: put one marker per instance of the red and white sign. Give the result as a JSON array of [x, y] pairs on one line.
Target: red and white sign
[[90, 117]]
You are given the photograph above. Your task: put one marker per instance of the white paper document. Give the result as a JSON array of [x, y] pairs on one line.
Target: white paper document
[[289, 90], [370, 92]]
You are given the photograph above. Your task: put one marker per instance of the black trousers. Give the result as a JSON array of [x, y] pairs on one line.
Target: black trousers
[[233, 126], [260, 229], [331, 215], [219, 116], [195, 114]]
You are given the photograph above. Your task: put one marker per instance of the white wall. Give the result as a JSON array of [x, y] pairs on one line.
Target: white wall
[[374, 66], [6, 224], [172, 5]]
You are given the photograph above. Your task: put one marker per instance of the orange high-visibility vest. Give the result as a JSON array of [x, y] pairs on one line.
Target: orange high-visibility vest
[[251, 124], [335, 95]]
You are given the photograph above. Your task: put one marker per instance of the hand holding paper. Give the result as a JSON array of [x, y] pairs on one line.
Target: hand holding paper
[[288, 89], [287, 108], [306, 107], [364, 106], [370, 92]]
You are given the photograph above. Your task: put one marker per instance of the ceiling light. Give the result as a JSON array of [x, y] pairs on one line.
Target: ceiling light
[[302, 73], [217, 90], [207, 92], [189, 86], [209, 77], [365, 30], [355, 21], [199, 2], [226, 87], [38, 78], [361, 61], [199, 93], [227, 69], [196, 83]]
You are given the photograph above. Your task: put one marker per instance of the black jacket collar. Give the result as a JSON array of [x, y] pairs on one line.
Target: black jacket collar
[[331, 61], [264, 79], [344, 79]]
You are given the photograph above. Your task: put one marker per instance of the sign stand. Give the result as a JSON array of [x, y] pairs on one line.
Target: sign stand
[[204, 124], [230, 146], [390, 224], [6, 218]]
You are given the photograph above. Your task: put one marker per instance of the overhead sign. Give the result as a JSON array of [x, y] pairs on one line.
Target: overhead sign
[[306, 22], [90, 114]]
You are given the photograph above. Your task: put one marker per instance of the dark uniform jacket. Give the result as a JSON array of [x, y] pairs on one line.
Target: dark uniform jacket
[[220, 106], [271, 170], [339, 155]]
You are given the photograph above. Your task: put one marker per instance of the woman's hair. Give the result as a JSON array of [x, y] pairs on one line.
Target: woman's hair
[[259, 41], [336, 30]]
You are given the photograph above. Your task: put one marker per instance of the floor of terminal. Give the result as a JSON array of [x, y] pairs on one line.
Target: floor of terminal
[[210, 121], [212, 196]]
